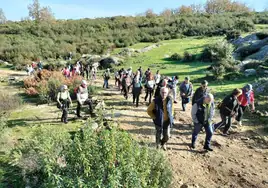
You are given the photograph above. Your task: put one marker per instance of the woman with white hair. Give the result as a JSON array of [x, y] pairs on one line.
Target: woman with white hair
[[64, 101], [202, 115]]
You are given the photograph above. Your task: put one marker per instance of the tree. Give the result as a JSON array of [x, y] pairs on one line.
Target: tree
[[38, 13], [150, 13], [221, 6], [2, 17], [167, 13], [185, 10]]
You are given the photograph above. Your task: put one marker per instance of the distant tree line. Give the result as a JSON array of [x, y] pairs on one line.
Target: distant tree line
[[47, 38]]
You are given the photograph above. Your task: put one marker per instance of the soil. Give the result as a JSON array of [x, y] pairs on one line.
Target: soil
[[238, 161]]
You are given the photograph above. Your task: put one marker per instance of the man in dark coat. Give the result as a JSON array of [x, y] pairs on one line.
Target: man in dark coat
[[200, 92]]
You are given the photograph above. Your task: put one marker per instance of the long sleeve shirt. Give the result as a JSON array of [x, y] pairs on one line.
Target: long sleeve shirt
[[151, 108]]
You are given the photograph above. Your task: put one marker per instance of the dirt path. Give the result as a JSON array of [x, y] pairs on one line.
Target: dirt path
[[240, 160]]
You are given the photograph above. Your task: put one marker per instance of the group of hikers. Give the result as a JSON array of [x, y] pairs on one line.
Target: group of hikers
[[87, 71], [35, 66], [161, 92]]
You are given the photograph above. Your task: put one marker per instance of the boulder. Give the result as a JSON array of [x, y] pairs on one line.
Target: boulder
[[5, 63], [109, 62], [246, 40], [261, 55], [250, 72]]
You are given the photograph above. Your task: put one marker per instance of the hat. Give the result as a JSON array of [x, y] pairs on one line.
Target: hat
[[204, 82], [64, 87], [249, 87], [187, 78], [84, 82]]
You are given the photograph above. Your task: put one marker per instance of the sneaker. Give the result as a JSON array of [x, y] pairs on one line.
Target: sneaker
[[175, 102], [240, 123], [79, 116], [158, 146], [192, 146], [208, 148]]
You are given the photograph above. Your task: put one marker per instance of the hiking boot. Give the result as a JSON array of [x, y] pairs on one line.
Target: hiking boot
[[240, 123], [157, 146], [208, 148], [79, 116], [175, 102], [164, 147], [192, 146]]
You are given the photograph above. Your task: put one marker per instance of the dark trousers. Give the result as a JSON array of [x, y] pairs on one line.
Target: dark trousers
[[136, 96], [163, 132], [183, 103], [241, 111], [87, 102], [226, 121], [64, 108], [149, 92], [87, 75], [197, 129], [125, 91]]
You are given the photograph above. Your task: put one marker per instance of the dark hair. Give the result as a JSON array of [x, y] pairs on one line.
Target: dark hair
[[177, 77], [236, 91], [204, 82]]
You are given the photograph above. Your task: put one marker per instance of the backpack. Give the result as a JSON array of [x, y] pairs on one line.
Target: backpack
[[150, 84]]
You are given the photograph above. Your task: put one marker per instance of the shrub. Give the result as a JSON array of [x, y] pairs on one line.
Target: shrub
[[187, 56], [233, 34], [8, 101], [176, 57], [31, 91], [217, 52], [103, 159]]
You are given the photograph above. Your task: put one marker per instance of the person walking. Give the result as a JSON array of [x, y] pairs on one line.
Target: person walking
[[150, 84], [141, 73], [173, 88], [200, 92], [202, 115], [64, 101], [106, 77], [162, 83], [228, 108], [186, 90], [83, 98], [246, 99], [126, 83], [137, 87], [157, 77], [161, 110]]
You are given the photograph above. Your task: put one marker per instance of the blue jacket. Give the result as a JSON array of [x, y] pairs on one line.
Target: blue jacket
[[159, 111]]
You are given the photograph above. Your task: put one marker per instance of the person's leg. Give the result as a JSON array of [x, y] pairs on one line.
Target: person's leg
[[137, 100], [166, 133], [228, 124], [65, 114], [220, 124], [209, 133], [183, 104], [90, 107], [147, 92], [150, 95], [197, 129], [158, 133], [78, 109], [174, 94], [241, 110]]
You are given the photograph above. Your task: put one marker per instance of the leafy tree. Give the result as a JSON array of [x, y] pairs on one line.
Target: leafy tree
[[38, 13], [2, 17]]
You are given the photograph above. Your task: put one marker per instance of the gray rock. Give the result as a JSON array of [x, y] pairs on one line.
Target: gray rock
[[250, 72], [108, 62], [248, 39], [260, 55]]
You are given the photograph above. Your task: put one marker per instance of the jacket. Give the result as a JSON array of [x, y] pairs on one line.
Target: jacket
[[183, 89], [156, 111], [244, 99], [199, 93], [229, 105], [199, 112]]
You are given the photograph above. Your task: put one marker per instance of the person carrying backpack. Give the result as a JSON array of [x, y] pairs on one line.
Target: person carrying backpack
[[228, 109], [161, 110], [40, 65], [173, 87], [64, 101], [106, 77], [137, 87], [150, 84], [186, 90], [246, 99], [200, 92], [83, 98], [202, 115]]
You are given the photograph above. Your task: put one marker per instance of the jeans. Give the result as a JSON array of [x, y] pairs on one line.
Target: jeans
[[64, 108], [149, 92], [241, 111], [105, 84], [174, 93], [165, 132], [87, 102], [197, 129], [226, 121]]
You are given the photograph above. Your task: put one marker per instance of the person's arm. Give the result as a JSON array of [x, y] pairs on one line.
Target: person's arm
[[211, 113], [78, 96], [193, 113], [150, 110], [69, 98], [252, 101], [194, 97], [58, 98], [191, 90]]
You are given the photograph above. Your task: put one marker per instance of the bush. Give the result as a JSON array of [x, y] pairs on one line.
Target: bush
[[261, 86], [233, 34], [8, 101], [217, 52], [103, 159], [176, 57], [187, 56]]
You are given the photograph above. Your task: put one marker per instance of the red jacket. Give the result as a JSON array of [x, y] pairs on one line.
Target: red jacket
[[243, 98]]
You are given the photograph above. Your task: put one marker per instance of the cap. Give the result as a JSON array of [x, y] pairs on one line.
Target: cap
[[249, 86], [84, 82], [204, 82], [187, 78], [64, 87]]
